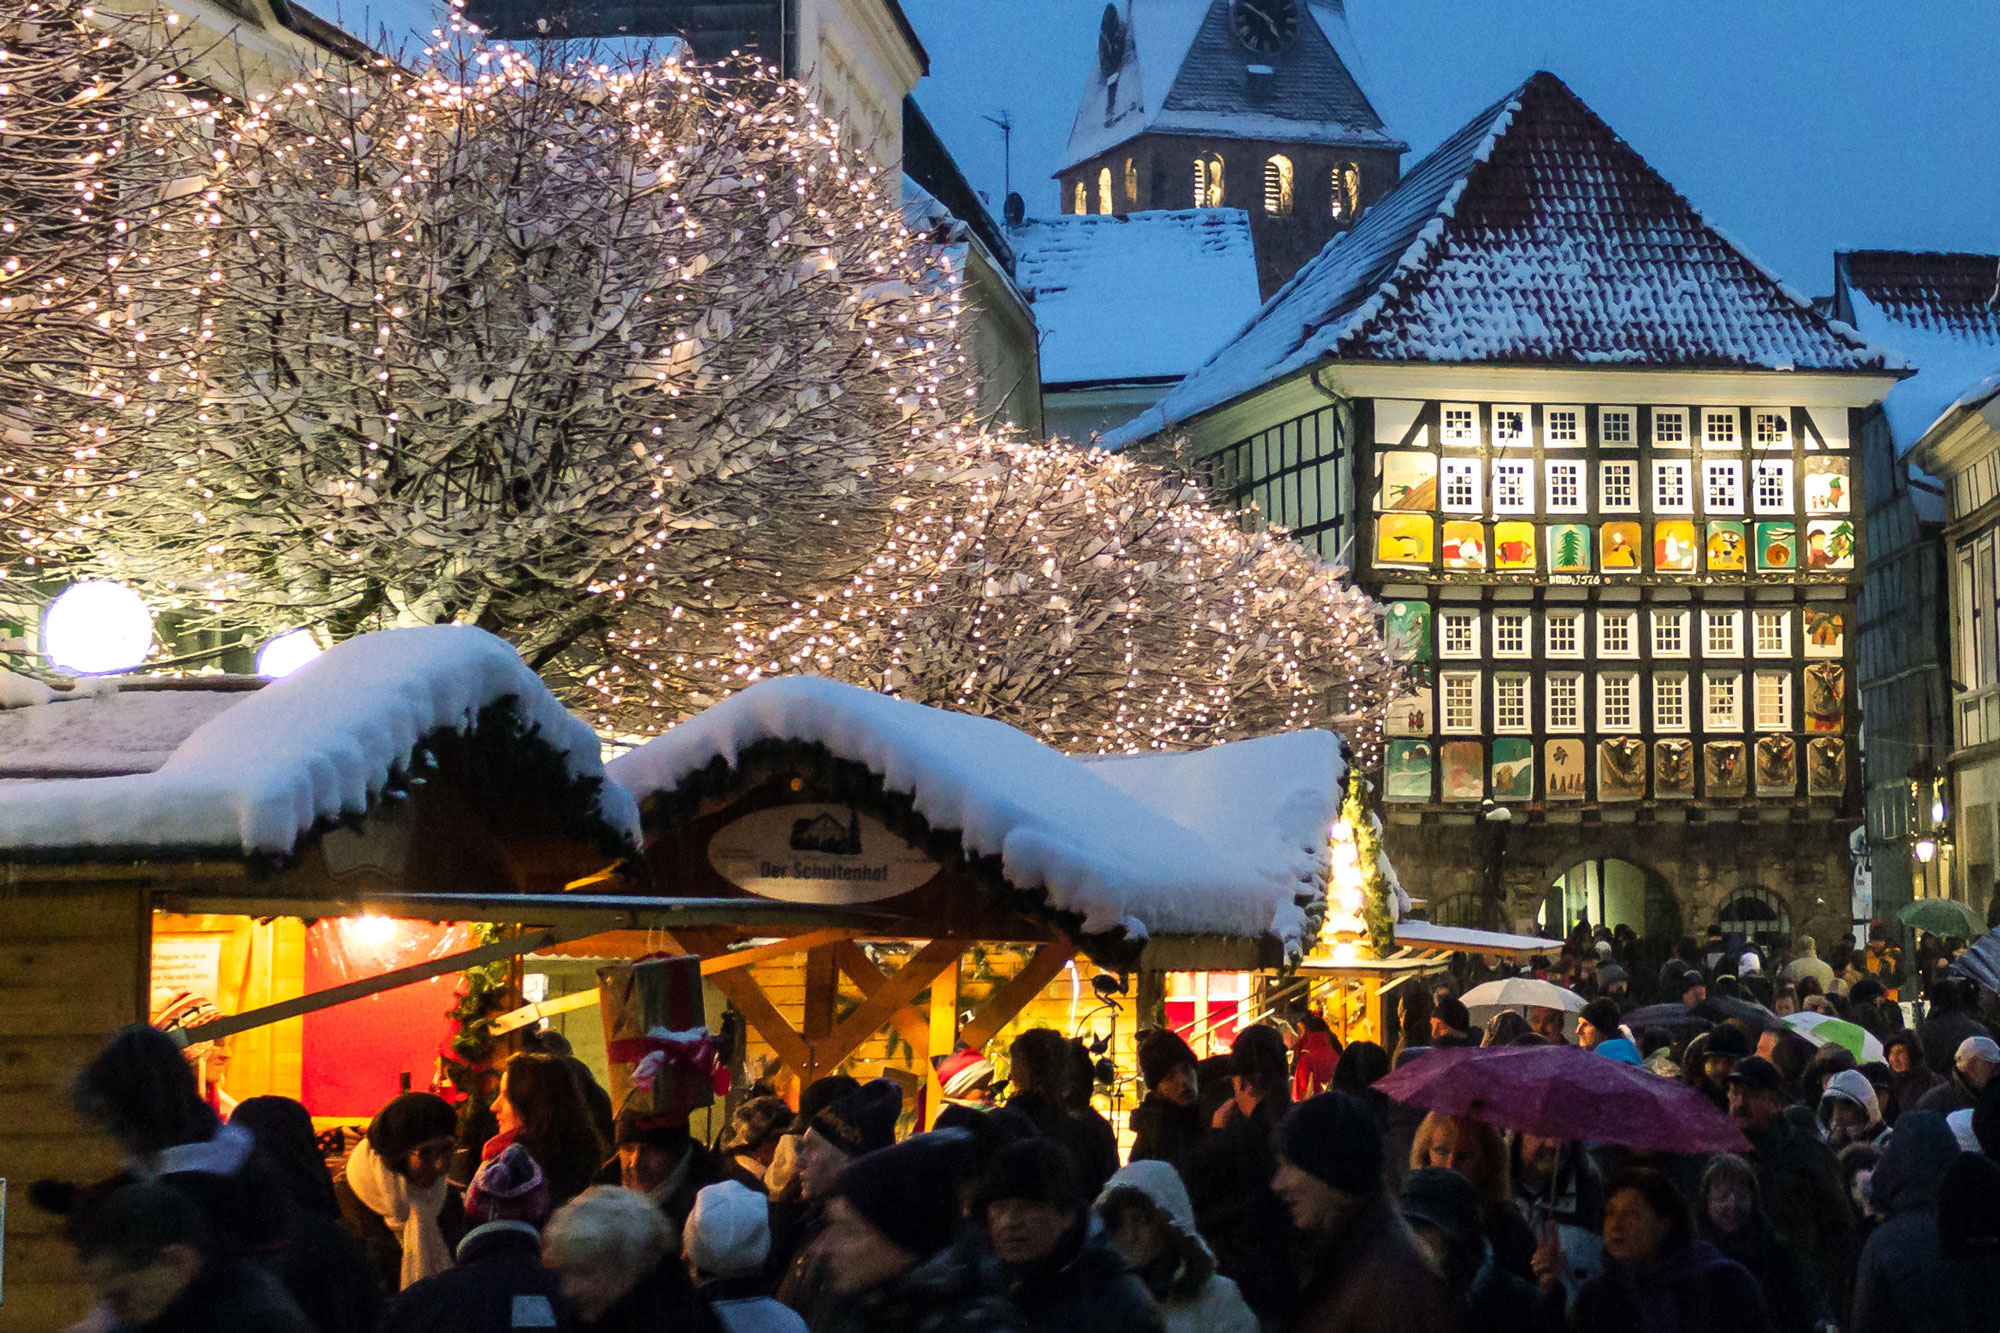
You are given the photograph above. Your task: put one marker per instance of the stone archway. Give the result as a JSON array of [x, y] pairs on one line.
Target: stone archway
[[1611, 891], [1758, 915]]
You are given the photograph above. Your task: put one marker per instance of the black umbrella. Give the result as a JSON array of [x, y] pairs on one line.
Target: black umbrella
[[1980, 963], [1724, 1008], [1673, 1017]]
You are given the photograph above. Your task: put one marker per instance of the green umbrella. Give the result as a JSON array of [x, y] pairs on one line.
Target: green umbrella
[[1820, 1029], [1943, 916]]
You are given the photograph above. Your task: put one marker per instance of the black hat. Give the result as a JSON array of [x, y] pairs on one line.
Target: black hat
[[756, 1123], [1333, 1138], [820, 1094], [409, 1120], [909, 1190], [1452, 1011], [644, 1129], [1758, 1074], [1444, 1199], [1602, 1015], [1728, 1039], [1690, 979], [863, 1120], [990, 1129], [1161, 1052], [1038, 1170]]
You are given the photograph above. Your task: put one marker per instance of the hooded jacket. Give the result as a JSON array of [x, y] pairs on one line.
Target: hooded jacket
[[1852, 1086], [1192, 1296], [1903, 1285]]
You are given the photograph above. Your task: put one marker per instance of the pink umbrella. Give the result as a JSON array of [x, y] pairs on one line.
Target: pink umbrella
[[1561, 1092]]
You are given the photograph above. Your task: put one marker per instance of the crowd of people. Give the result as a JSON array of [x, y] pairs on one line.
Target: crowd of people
[[1275, 1187]]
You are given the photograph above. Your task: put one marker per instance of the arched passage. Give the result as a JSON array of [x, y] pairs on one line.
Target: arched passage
[[1756, 914], [1610, 892]]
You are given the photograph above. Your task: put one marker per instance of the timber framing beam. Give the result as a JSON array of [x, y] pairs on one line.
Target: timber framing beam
[[1006, 1003]]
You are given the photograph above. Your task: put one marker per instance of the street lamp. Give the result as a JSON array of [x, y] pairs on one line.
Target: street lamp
[[96, 628], [1926, 850], [287, 653]]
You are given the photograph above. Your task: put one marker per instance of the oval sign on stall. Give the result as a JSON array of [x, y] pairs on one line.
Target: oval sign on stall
[[829, 854]]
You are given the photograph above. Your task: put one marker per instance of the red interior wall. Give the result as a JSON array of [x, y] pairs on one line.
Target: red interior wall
[[357, 1053]]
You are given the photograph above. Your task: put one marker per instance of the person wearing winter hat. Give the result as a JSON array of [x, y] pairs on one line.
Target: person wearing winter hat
[[620, 1268], [726, 1243], [1597, 1024], [393, 1193], [1442, 1209], [1972, 1068], [1451, 1024], [752, 1141], [1364, 1272], [990, 1130], [1849, 1111], [891, 1222], [497, 1281], [966, 1077], [1061, 1270], [1167, 1122], [1146, 1211], [857, 1124], [1228, 1174], [781, 1177], [659, 1158]]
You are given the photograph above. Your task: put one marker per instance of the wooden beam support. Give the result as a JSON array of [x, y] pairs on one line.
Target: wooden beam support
[[1004, 1004], [894, 993], [822, 999], [741, 990], [943, 1033], [760, 953], [909, 1024], [535, 1013]]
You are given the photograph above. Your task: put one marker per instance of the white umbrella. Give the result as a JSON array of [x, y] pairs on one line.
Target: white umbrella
[[1516, 991], [1805, 1024]]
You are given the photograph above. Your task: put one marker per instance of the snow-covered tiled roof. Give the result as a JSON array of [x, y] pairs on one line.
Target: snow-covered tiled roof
[[1939, 312], [1532, 236], [1183, 73], [1146, 296], [229, 771], [1226, 841]]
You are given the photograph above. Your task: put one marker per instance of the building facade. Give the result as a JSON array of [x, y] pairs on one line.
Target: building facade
[[1597, 466], [1231, 104]]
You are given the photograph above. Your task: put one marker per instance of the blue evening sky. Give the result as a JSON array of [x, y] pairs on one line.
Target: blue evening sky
[[1800, 127]]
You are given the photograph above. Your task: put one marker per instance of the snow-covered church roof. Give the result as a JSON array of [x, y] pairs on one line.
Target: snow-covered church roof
[[1226, 841], [1180, 70], [1535, 235], [1146, 296], [1939, 312], [232, 768]]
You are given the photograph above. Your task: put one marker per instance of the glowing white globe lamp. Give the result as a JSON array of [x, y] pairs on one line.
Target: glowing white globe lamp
[[287, 653], [97, 627]]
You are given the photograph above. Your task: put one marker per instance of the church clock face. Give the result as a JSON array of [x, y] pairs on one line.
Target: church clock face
[[1265, 27], [1111, 42]]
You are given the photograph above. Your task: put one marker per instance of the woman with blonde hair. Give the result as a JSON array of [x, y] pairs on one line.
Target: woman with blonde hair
[[1476, 1151]]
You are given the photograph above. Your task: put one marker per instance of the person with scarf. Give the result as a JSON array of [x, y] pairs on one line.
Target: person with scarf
[[496, 1282], [1658, 1277], [1146, 1211], [1732, 1218], [541, 1108], [394, 1195]]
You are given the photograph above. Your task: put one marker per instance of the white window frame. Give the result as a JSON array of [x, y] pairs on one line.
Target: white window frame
[[1469, 680], [1468, 437], [1709, 621], [1519, 620], [1554, 434], [1449, 618], [1630, 418], [1559, 684], [1505, 440], [1758, 619], [1571, 620], [1670, 685], [1523, 468], [1781, 467], [1721, 428], [1670, 633], [1679, 430], [1607, 718], [1664, 468], [1628, 624], [1628, 470], [1759, 417], [1468, 469], [1519, 685], [1730, 471], [1712, 694], [1783, 718], [1574, 469]]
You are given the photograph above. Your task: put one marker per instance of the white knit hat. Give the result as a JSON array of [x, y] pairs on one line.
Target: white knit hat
[[1977, 1048], [729, 1232]]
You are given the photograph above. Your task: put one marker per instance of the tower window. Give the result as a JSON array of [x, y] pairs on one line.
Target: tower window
[[1082, 199], [1278, 185], [1131, 181], [1104, 190], [1346, 190], [1208, 181]]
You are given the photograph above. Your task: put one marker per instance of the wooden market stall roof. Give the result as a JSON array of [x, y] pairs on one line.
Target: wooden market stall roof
[[1428, 937]]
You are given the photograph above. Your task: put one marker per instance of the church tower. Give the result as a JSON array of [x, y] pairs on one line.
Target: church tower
[[1249, 104]]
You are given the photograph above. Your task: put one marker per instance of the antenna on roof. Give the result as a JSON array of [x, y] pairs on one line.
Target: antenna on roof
[[1006, 124]]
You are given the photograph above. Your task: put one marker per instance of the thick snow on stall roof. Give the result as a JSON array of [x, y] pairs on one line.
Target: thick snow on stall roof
[[1057, 824], [104, 732], [319, 744], [1144, 296]]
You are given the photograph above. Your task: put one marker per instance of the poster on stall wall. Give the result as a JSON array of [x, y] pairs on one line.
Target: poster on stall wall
[[191, 963]]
